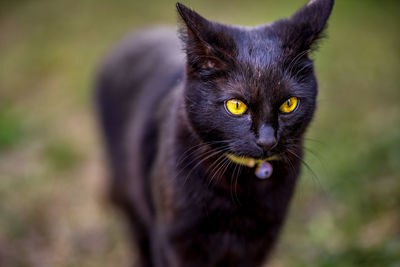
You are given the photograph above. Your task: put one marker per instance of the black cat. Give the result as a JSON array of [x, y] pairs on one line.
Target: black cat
[[205, 146]]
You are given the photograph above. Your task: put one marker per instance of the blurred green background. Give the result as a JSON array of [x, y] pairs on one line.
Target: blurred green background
[[53, 210]]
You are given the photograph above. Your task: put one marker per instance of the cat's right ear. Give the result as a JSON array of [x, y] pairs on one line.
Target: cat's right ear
[[305, 27], [204, 41]]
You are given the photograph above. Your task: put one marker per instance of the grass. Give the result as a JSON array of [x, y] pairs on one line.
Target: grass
[[11, 129], [52, 208]]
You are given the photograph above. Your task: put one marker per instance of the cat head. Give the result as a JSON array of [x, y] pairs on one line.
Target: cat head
[[252, 91]]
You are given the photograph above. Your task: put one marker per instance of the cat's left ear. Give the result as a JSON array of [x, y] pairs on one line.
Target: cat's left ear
[[301, 31], [205, 42]]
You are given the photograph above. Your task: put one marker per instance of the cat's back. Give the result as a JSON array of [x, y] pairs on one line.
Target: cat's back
[[133, 80], [134, 76], [155, 51]]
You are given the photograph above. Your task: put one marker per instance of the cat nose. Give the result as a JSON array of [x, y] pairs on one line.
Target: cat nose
[[266, 137]]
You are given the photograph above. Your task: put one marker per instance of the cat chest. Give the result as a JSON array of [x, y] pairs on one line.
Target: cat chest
[[223, 235]]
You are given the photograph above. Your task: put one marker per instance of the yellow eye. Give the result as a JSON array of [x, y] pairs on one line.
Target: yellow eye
[[289, 105], [236, 106]]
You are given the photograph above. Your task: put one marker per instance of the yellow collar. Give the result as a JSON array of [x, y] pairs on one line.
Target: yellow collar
[[250, 162]]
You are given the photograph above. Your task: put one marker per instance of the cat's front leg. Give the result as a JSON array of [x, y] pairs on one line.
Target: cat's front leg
[[167, 251], [191, 250]]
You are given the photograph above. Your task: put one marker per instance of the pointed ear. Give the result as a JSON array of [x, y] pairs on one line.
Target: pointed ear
[[205, 42], [301, 31]]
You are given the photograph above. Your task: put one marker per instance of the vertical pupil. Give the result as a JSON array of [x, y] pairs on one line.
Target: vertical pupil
[[289, 103], [237, 104]]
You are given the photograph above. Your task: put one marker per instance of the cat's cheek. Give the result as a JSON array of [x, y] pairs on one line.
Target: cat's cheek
[[286, 120], [236, 127], [290, 128]]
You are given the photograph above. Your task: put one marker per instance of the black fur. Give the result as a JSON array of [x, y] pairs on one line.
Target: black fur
[[167, 132]]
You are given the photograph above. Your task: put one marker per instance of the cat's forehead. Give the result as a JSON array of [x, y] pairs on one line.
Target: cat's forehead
[[260, 49], [265, 85], [259, 60]]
